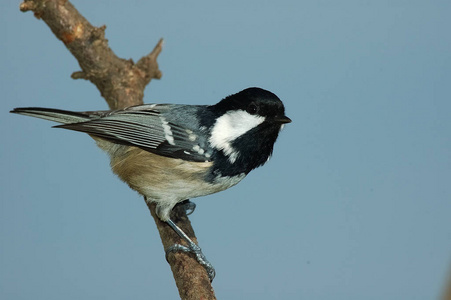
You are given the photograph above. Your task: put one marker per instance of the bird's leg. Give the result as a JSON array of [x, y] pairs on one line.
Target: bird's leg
[[192, 248]]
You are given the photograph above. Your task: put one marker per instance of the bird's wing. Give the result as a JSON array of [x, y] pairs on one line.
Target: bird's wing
[[146, 127]]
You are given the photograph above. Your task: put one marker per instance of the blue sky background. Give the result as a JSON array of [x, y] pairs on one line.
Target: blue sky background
[[355, 203]]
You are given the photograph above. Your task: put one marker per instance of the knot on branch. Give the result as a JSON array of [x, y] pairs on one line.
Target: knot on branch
[[79, 75], [33, 6], [99, 32], [27, 5], [76, 32]]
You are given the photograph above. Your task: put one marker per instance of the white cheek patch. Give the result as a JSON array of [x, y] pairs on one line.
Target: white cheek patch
[[229, 127]]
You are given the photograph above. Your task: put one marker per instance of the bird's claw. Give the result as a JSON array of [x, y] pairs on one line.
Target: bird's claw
[[200, 257]]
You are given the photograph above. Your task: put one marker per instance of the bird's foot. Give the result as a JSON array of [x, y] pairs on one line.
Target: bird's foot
[[200, 257], [191, 248]]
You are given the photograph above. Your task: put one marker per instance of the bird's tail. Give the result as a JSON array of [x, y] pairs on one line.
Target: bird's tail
[[56, 115]]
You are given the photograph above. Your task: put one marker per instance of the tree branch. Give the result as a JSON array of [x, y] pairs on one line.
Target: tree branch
[[122, 82]]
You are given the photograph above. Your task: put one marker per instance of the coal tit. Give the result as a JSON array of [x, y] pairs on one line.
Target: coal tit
[[170, 152]]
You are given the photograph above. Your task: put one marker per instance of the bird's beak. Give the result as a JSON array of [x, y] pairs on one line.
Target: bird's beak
[[282, 119]]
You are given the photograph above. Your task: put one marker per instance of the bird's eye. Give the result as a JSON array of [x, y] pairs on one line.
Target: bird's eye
[[252, 108]]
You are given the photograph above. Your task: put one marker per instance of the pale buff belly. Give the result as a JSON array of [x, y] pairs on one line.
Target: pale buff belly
[[160, 179]]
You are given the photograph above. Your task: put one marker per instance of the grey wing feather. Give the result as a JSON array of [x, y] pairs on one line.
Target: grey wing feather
[[146, 127]]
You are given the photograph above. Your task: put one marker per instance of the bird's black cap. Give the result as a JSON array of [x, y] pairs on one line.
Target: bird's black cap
[[255, 100]]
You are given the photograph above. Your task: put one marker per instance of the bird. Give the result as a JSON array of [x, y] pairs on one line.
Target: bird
[[173, 152]]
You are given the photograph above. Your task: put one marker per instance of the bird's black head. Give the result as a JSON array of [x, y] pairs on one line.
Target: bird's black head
[[255, 101], [245, 128]]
